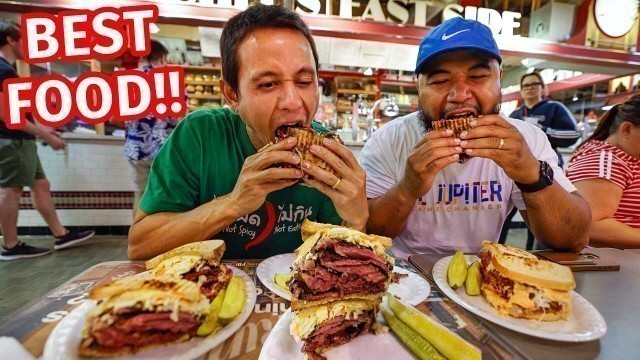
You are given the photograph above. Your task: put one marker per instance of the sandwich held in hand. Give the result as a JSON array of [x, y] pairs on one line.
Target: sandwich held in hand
[[306, 138], [519, 284], [198, 262], [137, 312], [458, 125], [339, 278]]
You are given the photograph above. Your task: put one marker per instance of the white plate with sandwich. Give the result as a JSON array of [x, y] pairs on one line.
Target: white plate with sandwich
[[412, 288], [156, 316], [530, 296]]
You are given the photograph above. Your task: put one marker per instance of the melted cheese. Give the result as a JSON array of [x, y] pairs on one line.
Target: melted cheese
[[306, 320]]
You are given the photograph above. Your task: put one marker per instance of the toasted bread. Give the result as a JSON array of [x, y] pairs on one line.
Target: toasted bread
[[313, 231], [183, 289], [297, 304], [522, 305], [458, 125], [306, 138], [184, 255], [521, 266]]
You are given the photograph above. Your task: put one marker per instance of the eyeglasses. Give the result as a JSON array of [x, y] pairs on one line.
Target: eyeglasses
[[531, 85]]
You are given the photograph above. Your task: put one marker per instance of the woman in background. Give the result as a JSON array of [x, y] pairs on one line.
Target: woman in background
[[606, 171]]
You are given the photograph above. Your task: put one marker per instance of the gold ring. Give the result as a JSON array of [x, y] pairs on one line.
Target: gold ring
[[335, 186], [501, 144]]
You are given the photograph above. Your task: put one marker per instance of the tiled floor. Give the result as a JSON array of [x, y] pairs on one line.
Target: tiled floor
[[24, 281]]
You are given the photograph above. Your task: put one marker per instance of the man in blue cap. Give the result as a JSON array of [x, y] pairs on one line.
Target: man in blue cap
[[420, 194]]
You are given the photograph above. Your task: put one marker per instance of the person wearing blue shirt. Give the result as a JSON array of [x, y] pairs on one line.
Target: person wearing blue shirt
[[551, 116]]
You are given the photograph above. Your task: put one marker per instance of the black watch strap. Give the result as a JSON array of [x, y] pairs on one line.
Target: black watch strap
[[545, 180]]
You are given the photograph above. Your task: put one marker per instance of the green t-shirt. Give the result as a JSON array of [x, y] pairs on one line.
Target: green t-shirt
[[202, 160]]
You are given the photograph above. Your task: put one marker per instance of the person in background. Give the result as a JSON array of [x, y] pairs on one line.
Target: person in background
[[606, 171], [428, 202], [218, 174], [144, 137], [551, 116], [20, 166]]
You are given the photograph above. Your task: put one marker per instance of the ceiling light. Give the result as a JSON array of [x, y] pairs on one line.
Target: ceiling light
[[606, 108], [368, 72], [531, 62]]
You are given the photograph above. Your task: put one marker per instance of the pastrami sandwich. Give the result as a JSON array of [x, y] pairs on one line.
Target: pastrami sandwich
[[198, 262], [332, 324], [337, 263], [521, 285], [457, 125], [306, 138], [137, 312]]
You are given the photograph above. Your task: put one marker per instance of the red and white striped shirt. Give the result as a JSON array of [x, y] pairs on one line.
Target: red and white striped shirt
[[600, 160]]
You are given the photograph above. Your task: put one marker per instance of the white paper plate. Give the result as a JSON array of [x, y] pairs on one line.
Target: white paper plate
[[412, 289], [65, 339], [584, 323], [280, 345]]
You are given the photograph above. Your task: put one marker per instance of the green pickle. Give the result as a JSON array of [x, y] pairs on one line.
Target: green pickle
[[457, 270], [211, 321], [234, 300], [282, 279], [474, 279], [442, 339], [418, 346]]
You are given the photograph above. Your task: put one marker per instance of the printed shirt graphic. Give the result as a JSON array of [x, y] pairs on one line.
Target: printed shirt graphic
[[468, 202], [202, 160], [145, 136], [601, 160]]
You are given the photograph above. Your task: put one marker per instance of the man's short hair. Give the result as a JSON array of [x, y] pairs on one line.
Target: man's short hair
[[536, 74], [157, 51], [258, 16], [9, 28]]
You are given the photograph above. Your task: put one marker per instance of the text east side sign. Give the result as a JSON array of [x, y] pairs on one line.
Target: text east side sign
[[413, 12]]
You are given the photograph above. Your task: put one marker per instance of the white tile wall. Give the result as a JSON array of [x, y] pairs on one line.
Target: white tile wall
[[86, 165]]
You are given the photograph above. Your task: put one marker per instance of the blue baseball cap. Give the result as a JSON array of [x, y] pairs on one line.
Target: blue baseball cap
[[457, 34]]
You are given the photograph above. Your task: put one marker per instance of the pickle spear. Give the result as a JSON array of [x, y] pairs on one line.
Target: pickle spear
[[457, 270], [418, 346], [447, 343], [282, 279], [211, 321], [474, 279], [234, 300]]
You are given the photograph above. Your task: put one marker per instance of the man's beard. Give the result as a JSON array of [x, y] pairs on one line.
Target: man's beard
[[425, 120]]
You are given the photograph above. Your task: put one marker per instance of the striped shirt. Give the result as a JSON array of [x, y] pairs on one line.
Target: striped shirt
[[600, 160]]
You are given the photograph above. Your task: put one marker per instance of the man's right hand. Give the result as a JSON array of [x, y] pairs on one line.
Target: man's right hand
[[51, 137], [257, 178], [432, 154]]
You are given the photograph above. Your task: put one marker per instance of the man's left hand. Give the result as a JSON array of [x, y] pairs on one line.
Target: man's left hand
[[346, 188], [494, 138]]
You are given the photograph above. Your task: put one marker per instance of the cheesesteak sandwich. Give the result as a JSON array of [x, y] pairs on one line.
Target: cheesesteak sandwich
[[198, 262], [332, 324], [519, 284], [306, 138], [337, 263], [136, 312], [458, 125]]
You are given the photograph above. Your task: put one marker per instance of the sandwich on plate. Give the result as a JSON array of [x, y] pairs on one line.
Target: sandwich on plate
[[137, 312], [521, 285], [332, 324], [198, 262], [339, 278], [339, 263]]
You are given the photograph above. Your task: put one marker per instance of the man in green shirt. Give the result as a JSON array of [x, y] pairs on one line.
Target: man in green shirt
[[209, 180]]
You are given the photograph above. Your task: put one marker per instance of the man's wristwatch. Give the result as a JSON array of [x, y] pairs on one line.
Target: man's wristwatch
[[546, 179]]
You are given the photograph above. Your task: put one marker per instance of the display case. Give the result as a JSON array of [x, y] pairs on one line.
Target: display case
[[202, 86]]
